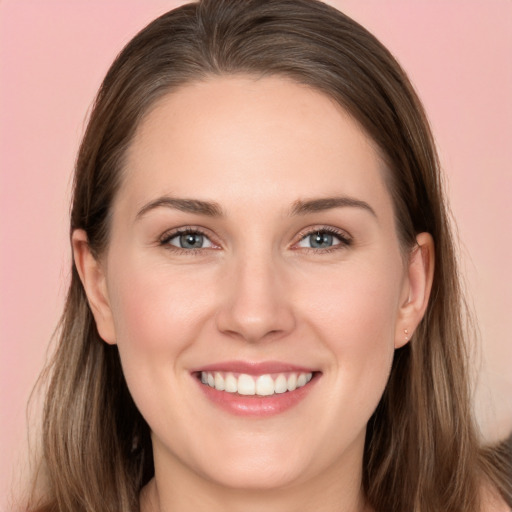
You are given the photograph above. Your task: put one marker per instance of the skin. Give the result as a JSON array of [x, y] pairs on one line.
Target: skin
[[256, 291]]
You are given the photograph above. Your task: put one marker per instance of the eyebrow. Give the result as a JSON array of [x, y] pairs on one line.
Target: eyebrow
[[208, 208], [301, 207], [213, 209]]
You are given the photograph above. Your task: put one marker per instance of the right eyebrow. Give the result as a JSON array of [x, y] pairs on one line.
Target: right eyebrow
[[208, 208]]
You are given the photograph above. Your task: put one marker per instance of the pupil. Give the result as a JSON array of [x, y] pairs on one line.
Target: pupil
[[191, 241], [321, 240]]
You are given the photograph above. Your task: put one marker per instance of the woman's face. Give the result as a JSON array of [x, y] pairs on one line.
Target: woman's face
[[253, 245]]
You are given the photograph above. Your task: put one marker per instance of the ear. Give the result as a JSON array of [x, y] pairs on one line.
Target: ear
[[416, 288], [93, 280]]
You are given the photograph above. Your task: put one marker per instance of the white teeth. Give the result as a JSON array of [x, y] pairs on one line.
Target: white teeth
[[301, 380], [291, 383], [281, 385], [263, 385], [219, 381], [246, 385], [230, 383]]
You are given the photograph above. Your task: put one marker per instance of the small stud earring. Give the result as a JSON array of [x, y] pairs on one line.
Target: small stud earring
[[406, 334]]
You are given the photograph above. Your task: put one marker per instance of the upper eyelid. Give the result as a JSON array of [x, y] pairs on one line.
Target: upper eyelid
[[320, 228], [171, 233]]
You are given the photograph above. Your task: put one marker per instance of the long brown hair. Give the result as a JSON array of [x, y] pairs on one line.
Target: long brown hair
[[421, 451]]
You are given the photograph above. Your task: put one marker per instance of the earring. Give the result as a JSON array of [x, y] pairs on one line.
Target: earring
[[406, 332]]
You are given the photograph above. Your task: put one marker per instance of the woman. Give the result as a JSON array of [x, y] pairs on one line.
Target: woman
[[264, 309]]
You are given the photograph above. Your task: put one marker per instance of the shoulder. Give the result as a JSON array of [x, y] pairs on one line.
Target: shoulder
[[492, 501], [495, 506]]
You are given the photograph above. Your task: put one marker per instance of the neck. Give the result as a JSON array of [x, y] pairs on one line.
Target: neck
[[336, 490], [152, 500]]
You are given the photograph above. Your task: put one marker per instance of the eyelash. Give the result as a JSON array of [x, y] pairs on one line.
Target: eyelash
[[169, 235], [344, 239]]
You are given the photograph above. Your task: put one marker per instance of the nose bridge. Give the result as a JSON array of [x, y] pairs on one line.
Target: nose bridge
[[256, 304]]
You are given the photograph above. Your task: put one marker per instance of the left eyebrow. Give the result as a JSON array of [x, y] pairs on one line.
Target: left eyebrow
[[301, 207]]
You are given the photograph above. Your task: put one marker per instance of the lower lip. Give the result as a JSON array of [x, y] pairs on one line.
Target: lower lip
[[254, 405]]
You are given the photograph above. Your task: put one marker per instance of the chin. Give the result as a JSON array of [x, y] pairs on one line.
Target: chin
[[254, 475], [259, 464]]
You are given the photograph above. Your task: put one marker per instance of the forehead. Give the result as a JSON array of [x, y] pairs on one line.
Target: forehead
[[239, 138]]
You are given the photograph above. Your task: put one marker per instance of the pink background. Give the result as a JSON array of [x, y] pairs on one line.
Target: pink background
[[53, 55]]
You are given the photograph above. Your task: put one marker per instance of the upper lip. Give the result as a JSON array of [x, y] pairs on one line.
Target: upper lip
[[254, 368]]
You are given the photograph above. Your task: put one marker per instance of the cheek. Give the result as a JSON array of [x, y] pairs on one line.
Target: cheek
[[358, 305], [355, 314], [154, 309], [156, 316]]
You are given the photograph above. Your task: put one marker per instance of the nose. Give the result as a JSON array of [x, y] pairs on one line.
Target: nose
[[256, 303]]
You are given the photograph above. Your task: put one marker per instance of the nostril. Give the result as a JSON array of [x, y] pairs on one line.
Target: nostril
[[265, 324]]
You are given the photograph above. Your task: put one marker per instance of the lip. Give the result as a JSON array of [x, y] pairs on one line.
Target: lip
[[254, 368], [254, 405]]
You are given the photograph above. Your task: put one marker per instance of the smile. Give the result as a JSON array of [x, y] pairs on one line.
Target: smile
[[262, 385], [255, 389]]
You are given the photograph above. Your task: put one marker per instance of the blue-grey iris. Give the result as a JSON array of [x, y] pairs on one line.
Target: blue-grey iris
[[320, 240], [191, 241]]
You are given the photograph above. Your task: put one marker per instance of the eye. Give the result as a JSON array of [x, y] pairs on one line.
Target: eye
[[324, 239], [187, 240]]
